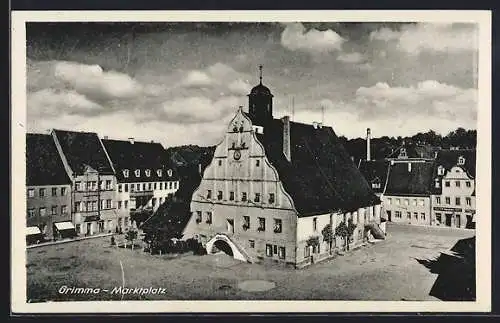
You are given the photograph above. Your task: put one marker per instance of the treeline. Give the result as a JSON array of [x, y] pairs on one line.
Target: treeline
[[382, 147]]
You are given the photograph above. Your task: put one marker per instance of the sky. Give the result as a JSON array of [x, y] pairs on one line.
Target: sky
[[181, 83]]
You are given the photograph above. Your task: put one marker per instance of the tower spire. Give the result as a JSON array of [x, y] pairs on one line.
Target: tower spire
[[260, 74]]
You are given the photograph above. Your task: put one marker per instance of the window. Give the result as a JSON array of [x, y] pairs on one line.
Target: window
[[219, 195], [246, 222], [94, 205], [231, 196], [408, 215], [126, 187], [148, 173], [161, 186], [102, 204], [315, 224], [161, 200], [78, 206], [64, 209], [447, 183], [78, 186], [257, 163], [143, 186], [257, 197], [159, 172], [275, 249], [281, 252], [461, 160], [125, 221], [269, 250], [31, 213], [251, 243], [88, 206], [398, 201], [63, 191], [150, 186], [169, 185], [31, 192], [438, 218], [457, 183], [169, 172], [422, 216], [137, 173], [125, 205], [41, 192], [262, 224], [43, 211], [457, 200], [54, 191], [468, 184], [468, 201], [397, 214], [243, 196], [108, 184], [119, 204], [438, 199], [154, 186], [414, 202], [447, 200], [375, 185], [440, 170], [389, 201], [109, 204], [125, 173], [436, 183], [307, 252], [220, 162], [209, 217], [53, 210], [421, 202], [176, 185], [119, 188], [277, 226], [407, 202], [198, 216], [271, 198], [132, 187]]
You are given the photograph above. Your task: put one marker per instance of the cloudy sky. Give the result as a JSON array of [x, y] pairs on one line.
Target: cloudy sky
[[180, 83]]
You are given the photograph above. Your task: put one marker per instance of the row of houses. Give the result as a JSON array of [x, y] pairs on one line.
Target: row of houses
[[79, 183], [414, 188]]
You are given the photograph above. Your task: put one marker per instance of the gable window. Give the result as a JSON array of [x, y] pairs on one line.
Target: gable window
[[440, 170], [461, 160], [457, 183], [125, 173], [277, 225], [447, 183], [41, 192], [108, 184], [148, 173], [31, 192], [220, 162], [209, 194], [219, 195], [315, 224], [198, 216], [468, 201], [209, 217], [467, 184], [243, 196], [257, 197], [271, 198], [281, 252], [437, 183], [257, 163], [159, 172], [137, 173], [169, 172], [262, 224], [63, 191], [53, 210], [54, 191]]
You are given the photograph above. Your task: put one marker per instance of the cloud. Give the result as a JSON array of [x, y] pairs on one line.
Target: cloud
[[197, 79], [239, 87], [354, 57], [296, 38], [431, 37], [51, 102], [95, 83]]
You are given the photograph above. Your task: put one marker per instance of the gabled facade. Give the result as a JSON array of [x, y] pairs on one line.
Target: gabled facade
[[144, 178], [273, 186], [93, 181], [48, 187]]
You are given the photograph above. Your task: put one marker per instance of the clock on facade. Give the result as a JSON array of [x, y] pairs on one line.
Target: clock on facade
[[237, 155]]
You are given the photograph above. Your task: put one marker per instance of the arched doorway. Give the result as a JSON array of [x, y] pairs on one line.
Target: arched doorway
[[221, 245]]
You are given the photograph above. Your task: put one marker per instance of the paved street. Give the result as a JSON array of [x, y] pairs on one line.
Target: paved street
[[388, 270]]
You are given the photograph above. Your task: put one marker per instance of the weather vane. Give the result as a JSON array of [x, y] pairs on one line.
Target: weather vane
[[260, 73]]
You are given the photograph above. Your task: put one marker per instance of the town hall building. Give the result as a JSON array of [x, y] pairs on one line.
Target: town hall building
[[274, 185]]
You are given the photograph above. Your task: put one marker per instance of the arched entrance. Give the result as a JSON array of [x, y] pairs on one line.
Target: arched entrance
[[221, 242]]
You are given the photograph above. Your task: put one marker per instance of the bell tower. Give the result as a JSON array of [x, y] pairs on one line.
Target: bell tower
[[260, 103]]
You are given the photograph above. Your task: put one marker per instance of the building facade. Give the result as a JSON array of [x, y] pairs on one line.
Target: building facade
[[274, 186], [93, 181], [145, 178], [48, 187]]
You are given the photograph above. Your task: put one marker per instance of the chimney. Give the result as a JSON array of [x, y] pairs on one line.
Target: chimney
[[409, 167], [131, 139], [368, 143], [286, 137]]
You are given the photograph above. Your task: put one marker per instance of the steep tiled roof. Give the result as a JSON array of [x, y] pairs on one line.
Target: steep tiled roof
[[449, 158], [43, 163], [417, 181], [375, 170], [414, 151], [83, 149], [321, 176], [138, 155]]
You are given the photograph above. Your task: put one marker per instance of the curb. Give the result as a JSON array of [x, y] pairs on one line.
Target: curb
[[67, 241]]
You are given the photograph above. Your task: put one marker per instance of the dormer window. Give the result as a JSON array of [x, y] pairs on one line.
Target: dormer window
[[169, 172], [437, 183], [125, 173], [148, 173], [402, 153], [159, 172], [137, 173], [461, 160], [375, 185], [440, 170]]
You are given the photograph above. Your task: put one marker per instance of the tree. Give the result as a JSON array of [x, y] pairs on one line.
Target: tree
[[328, 235], [346, 231], [131, 236]]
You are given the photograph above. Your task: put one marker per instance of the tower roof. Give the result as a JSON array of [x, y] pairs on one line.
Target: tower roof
[[260, 89]]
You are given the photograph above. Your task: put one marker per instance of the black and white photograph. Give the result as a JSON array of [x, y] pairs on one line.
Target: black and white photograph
[[341, 162]]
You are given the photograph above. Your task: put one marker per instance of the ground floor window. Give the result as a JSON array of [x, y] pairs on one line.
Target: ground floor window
[[281, 253], [275, 249], [422, 216], [397, 214], [269, 250], [438, 218], [307, 252]]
